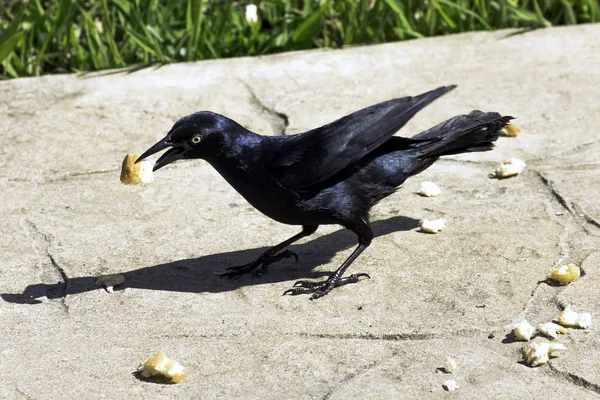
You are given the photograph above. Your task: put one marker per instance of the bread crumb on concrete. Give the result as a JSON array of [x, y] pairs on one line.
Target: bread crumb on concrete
[[574, 319], [551, 329], [523, 331], [109, 281], [450, 385], [159, 364], [565, 274], [432, 226], [537, 354], [429, 189], [509, 168], [450, 367]]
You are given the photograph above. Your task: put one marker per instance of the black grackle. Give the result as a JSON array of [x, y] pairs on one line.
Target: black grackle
[[329, 175]]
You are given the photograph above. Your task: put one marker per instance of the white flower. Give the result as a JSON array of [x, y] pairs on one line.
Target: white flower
[[251, 14]]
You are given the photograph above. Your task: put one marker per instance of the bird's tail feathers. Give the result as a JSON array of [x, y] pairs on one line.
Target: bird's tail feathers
[[474, 132], [401, 110]]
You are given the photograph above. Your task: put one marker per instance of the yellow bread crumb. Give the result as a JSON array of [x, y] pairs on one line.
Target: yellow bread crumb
[[135, 174], [539, 353], [551, 329], [523, 331], [571, 318], [565, 274], [159, 364], [510, 130]]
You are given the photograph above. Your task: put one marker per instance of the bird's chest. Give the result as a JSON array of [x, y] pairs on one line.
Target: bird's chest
[[261, 190]]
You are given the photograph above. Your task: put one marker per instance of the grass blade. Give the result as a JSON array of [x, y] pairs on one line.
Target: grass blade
[[7, 46], [302, 34], [468, 12]]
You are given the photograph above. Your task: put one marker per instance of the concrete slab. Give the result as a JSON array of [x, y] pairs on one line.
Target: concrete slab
[[66, 219]]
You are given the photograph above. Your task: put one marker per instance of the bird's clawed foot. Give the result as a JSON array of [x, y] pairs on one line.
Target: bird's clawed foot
[[257, 267], [320, 289]]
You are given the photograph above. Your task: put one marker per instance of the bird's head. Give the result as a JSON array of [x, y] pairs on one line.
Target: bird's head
[[190, 137]]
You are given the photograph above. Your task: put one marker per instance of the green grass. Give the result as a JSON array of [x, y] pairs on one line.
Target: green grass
[[38, 37]]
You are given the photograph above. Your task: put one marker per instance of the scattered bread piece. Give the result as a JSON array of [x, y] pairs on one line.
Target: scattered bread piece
[[42, 299], [524, 331], [135, 174], [433, 226], [429, 189], [109, 281], [539, 353], [571, 318], [159, 364], [551, 329], [450, 385], [509, 168], [450, 366], [510, 130], [565, 274]]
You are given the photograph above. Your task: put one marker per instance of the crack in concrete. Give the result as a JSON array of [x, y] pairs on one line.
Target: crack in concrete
[[398, 337], [575, 379], [559, 197], [356, 374], [68, 176], [44, 242], [64, 177], [563, 243], [573, 167], [62, 273], [22, 393], [544, 298], [391, 337], [566, 151], [589, 219], [573, 209], [278, 120], [371, 336]]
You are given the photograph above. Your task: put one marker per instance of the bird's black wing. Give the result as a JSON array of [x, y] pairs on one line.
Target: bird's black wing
[[311, 157]]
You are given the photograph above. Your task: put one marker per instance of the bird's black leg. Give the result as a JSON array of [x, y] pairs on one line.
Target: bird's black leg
[[320, 289], [274, 254]]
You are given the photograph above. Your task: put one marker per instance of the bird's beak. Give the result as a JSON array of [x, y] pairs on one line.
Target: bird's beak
[[173, 154]]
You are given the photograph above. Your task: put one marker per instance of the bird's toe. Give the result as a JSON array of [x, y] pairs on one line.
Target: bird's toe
[[305, 284], [318, 294], [282, 255], [352, 278], [294, 291], [320, 289]]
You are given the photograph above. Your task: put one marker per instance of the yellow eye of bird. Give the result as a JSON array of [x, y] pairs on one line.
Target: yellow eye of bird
[[196, 139]]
